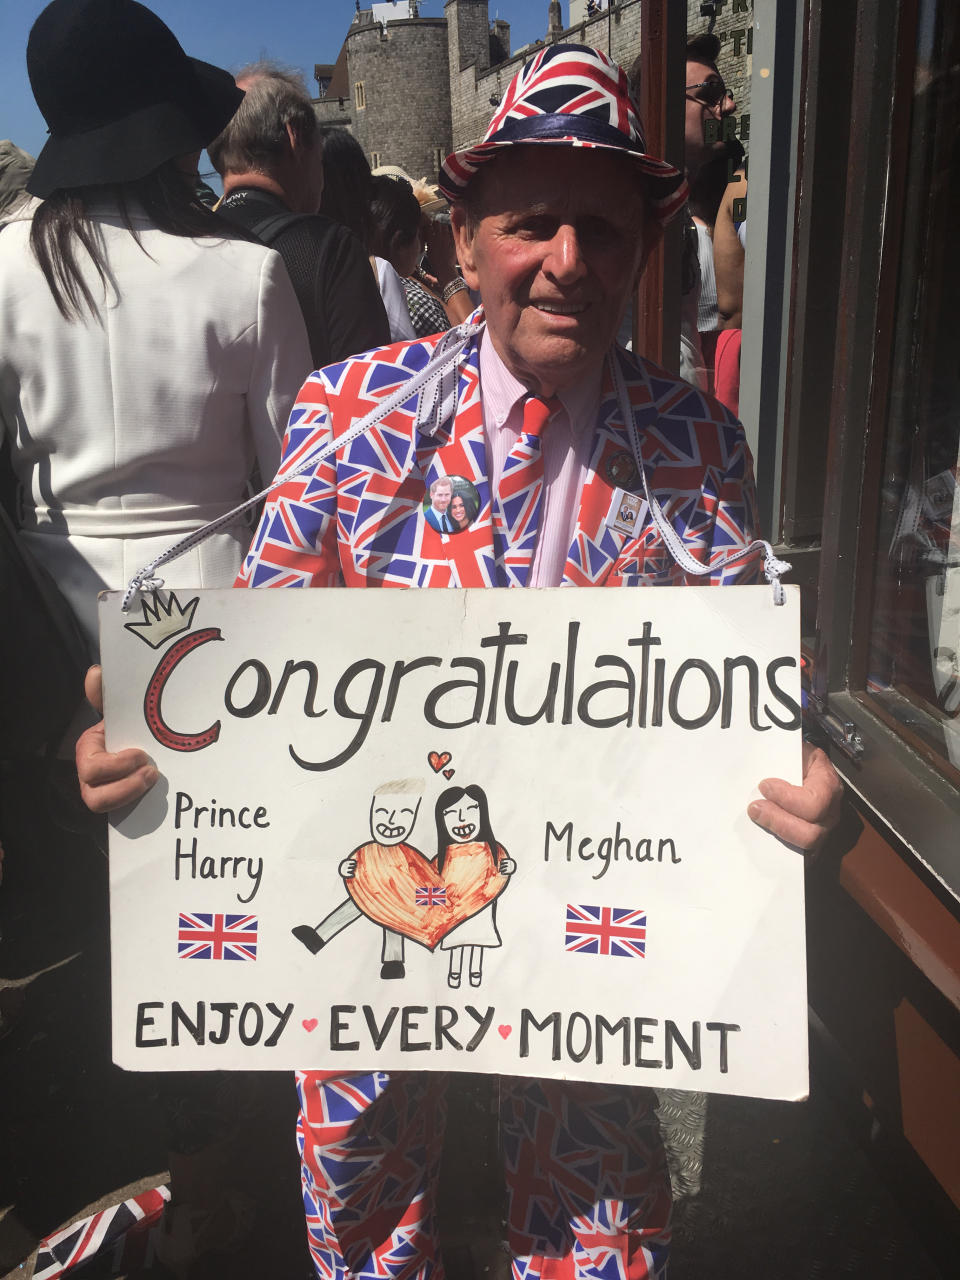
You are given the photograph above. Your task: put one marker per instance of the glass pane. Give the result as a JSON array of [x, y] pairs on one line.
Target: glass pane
[[914, 654]]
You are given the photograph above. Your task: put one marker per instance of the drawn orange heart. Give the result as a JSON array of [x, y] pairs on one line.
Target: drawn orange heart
[[437, 759], [448, 773], [388, 878]]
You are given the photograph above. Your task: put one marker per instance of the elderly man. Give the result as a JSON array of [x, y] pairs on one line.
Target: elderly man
[[554, 215], [270, 157]]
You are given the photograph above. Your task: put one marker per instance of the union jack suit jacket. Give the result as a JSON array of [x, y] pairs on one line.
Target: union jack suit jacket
[[358, 517]]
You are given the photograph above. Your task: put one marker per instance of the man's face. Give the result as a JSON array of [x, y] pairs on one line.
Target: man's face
[[696, 150], [392, 816], [440, 497], [555, 254]]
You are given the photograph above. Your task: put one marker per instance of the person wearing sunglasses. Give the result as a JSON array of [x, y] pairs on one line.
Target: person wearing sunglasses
[[708, 100]]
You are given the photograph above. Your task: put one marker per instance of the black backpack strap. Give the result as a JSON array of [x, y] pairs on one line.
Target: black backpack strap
[[269, 228]]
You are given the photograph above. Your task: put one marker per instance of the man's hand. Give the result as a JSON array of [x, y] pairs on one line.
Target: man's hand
[[507, 865], [801, 816], [109, 779], [348, 868]]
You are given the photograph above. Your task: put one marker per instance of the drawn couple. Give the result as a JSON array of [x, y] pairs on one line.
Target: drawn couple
[[467, 867]]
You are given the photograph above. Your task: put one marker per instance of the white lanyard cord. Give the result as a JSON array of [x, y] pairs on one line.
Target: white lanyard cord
[[772, 567], [446, 353], [441, 407]]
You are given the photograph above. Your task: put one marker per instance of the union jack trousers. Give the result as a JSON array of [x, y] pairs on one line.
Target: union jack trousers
[[589, 1193]]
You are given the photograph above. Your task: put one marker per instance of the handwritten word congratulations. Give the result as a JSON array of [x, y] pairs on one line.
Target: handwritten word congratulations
[[646, 691]]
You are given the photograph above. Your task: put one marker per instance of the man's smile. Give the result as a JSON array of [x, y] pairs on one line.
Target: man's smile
[[560, 308]]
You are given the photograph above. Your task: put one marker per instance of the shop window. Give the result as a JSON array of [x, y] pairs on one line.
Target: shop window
[[913, 659], [886, 684]]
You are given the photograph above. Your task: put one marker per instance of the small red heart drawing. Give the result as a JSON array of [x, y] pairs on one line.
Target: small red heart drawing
[[448, 773], [309, 1024], [437, 759], [392, 883], [505, 1030]]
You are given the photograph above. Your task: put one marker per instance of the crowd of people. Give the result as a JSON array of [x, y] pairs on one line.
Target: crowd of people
[[151, 351]]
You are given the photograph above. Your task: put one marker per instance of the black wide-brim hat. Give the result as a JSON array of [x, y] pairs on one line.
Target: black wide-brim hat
[[118, 93]]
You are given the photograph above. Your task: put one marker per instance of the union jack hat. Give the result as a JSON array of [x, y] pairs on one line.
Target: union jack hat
[[569, 95]]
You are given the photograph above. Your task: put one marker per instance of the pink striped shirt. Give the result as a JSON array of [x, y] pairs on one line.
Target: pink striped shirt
[[566, 454]]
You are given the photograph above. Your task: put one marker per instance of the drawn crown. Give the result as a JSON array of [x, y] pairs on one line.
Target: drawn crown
[[161, 622]]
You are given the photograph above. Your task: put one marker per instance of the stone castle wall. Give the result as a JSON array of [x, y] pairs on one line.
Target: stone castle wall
[[403, 68]]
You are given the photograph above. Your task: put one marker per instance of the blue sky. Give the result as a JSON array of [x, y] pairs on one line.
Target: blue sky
[[229, 33]]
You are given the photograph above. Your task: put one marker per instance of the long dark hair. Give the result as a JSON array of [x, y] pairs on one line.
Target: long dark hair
[[62, 222], [347, 183], [449, 798], [394, 215]]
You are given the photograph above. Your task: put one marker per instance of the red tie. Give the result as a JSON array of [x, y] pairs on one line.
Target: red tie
[[520, 497]]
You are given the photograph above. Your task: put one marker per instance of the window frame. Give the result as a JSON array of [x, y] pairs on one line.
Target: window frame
[[895, 777]]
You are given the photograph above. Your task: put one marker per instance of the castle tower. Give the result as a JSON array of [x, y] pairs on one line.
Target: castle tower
[[401, 88], [468, 34]]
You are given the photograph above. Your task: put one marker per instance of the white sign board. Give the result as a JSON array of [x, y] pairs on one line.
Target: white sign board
[[494, 830]]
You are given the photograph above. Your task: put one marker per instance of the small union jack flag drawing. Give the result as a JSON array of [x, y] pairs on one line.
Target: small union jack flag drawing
[[606, 931], [430, 897], [215, 936]]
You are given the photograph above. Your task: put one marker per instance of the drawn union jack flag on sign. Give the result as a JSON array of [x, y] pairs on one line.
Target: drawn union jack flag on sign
[[214, 936], [607, 931], [430, 897]]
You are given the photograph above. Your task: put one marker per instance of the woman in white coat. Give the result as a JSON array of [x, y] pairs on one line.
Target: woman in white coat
[[149, 353]]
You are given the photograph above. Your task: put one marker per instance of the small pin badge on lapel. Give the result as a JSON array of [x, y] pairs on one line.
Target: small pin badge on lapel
[[627, 513], [621, 470]]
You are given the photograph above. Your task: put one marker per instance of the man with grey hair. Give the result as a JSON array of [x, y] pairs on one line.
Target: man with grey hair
[[270, 157]]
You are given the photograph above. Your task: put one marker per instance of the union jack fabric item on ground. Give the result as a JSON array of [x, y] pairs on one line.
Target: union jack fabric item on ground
[[208, 935], [121, 1232], [589, 1193], [358, 516], [606, 931], [570, 95]]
